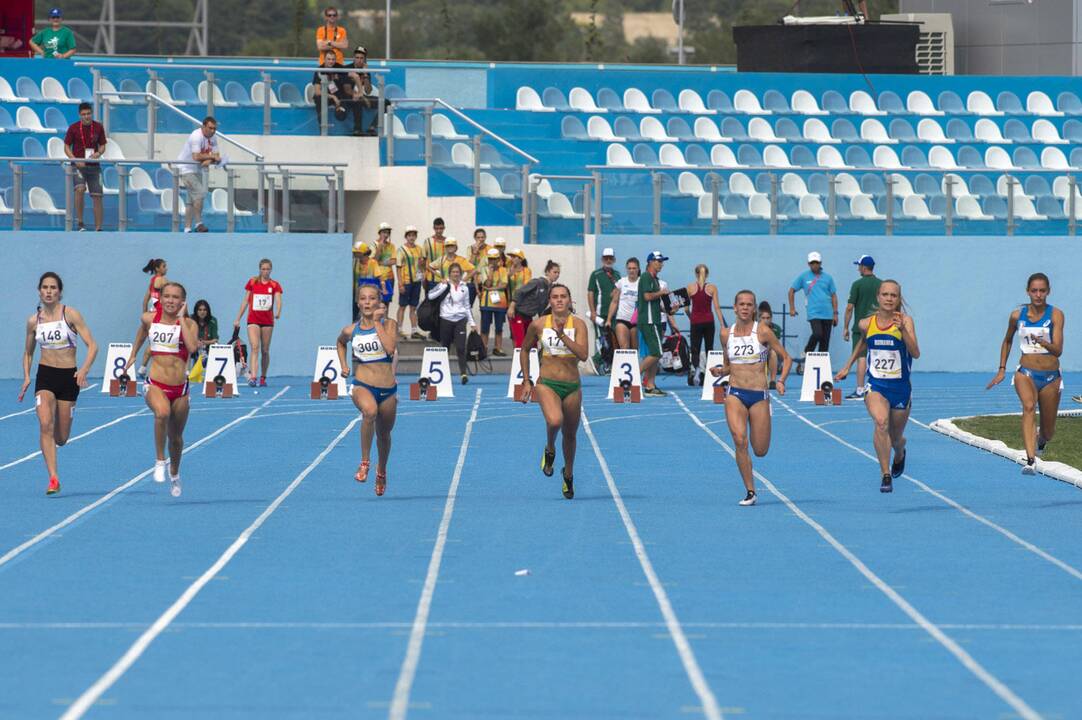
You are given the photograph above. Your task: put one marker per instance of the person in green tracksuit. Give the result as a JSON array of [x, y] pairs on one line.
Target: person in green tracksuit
[[599, 295], [651, 322]]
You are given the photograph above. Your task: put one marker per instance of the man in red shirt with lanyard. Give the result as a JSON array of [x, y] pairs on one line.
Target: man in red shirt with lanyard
[[86, 140]]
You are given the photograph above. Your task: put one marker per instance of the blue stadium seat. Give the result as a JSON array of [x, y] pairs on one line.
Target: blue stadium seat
[[902, 131], [79, 90], [937, 204], [748, 155], [32, 148], [873, 184], [1037, 186], [55, 119], [1076, 158], [970, 157], [736, 206], [995, 206], [1072, 131], [626, 128], [774, 101], [415, 124], [762, 182], [572, 128], [818, 184], [663, 100], [491, 156], [951, 103], [733, 128], [787, 129], [720, 101], [890, 103], [393, 92], [1016, 131], [844, 130], [913, 156], [1068, 102], [1051, 207], [802, 156], [235, 93], [288, 93], [644, 154], [1008, 102], [697, 155], [183, 91], [608, 99], [7, 124], [856, 156], [981, 185], [511, 183], [959, 130], [554, 98], [834, 103], [1024, 157], [927, 185], [27, 88], [440, 154], [896, 206], [678, 128], [129, 85]]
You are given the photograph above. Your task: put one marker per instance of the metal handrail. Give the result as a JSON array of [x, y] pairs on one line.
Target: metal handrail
[[847, 169], [471, 121], [155, 161], [264, 68]]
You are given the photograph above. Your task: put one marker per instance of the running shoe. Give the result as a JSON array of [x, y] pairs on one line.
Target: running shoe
[[499, 353], [362, 471], [54, 486], [547, 458], [887, 485], [174, 480], [1041, 442], [1077, 398], [417, 335], [898, 466], [749, 499], [141, 372], [691, 379], [799, 367], [263, 381], [465, 378], [381, 483], [252, 382], [569, 485], [856, 395], [1030, 468], [159, 471], [655, 392]]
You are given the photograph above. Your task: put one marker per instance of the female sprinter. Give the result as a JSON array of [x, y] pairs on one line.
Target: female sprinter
[[1037, 378], [54, 328], [747, 343], [562, 339], [704, 307], [157, 267], [173, 338], [263, 300], [372, 341], [891, 344], [624, 308]]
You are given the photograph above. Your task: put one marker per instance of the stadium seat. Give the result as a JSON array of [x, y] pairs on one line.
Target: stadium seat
[[1076, 158], [1003, 185], [786, 130], [553, 98], [856, 156], [745, 101], [926, 185], [930, 131], [759, 207], [560, 206], [258, 97], [722, 156], [109, 91], [1036, 186], [704, 208], [113, 151], [890, 103], [1054, 159], [774, 156], [967, 207], [915, 208], [1038, 103], [644, 154], [1016, 131], [941, 158], [618, 156], [688, 183], [801, 155], [995, 206], [1051, 209], [651, 129], [981, 186], [955, 184], [951, 103], [902, 188], [183, 92], [1072, 130], [812, 207], [873, 184], [53, 91], [28, 89], [987, 131], [705, 129], [443, 128], [861, 207], [598, 128], [526, 99], [608, 99], [79, 91], [55, 148], [400, 132], [55, 119], [159, 88], [919, 103], [873, 131], [775, 102], [167, 203], [998, 159], [235, 93], [1061, 188], [834, 103], [490, 157], [671, 156], [900, 130], [393, 92], [691, 102], [490, 188], [732, 129], [847, 186], [511, 184], [219, 204], [543, 188], [130, 86], [571, 128], [804, 102], [970, 157], [1008, 102], [1046, 133], [7, 94], [1069, 103], [580, 99], [759, 130], [815, 130], [793, 185], [1024, 157], [741, 184], [219, 99], [462, 155], [717, 100], [662, 100], [42, 202], [5, 210], [287, 92], [913, 157], [749, 156], [635, 101], [7, 125], [885, 157], [139, 179], [844, 131], [678, 128], [959, 131], [980, 103], [1025, 210], [28, 120]]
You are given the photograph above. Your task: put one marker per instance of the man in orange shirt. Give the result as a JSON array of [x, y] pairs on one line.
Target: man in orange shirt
[[331, 36]]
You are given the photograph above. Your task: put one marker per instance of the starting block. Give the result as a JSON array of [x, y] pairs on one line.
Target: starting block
[[324, 389], [626, 392], [519, 390], [123, 386], [720, 391], [827, 394], [218, 388], [423, 389]]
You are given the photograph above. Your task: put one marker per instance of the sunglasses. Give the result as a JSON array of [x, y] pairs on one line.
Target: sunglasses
[[330, 15]]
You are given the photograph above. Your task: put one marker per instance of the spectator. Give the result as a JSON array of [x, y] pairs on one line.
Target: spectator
[[492, 284], [599, 289], [366, 271], [441, 268], [455, 317], [623, 311], [531, 300], [650, 321], [56, 41], [822, 305], [86, 140], [409, 281], [477, 254], [501, 245], [208, 328], [384, 255], [340, 93], [432, 251], [518, 274], [704, 308], [862, 303], [200, 150], [766, 317], [365, 96], [331, 37]]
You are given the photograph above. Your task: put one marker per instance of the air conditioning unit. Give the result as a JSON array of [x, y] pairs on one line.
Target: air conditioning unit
[[935, 50]]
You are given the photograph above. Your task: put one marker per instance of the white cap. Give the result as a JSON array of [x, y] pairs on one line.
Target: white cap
[[608, 252], [410, 229], [499, 242], [384, 226], [815, 257]]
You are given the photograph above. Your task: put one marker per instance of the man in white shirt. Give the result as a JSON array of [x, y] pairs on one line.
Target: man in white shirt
[[200, 150]]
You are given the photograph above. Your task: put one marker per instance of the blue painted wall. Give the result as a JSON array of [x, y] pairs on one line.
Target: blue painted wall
[[959, 290], [102, 278]]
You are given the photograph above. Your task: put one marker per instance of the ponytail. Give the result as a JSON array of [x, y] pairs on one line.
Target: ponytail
[[152, 265], [701, 273]]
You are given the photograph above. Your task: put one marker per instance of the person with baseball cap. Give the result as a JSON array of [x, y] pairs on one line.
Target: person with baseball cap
[[365, 271], [491, 282], [56, 42], [861, 304], [822, 305], [409, 281], [384, 255], [651, 321], [599, 296]]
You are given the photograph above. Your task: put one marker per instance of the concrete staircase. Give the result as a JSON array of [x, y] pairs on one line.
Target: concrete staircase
[[411, 351]]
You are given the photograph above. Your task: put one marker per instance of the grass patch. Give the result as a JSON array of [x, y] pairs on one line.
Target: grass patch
[[1065, 448]]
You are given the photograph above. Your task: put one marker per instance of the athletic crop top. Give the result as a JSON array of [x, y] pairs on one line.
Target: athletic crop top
[[551, 344], [367, 347], [1030, 331], [155, 292], [888, 357], [167, 339], [745, 349], [56, 335]]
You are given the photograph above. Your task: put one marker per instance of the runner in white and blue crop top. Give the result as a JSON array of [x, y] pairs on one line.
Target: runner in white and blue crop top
[[1037, 379], [370, 343]]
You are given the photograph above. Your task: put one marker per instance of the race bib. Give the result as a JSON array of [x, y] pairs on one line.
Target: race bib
[[1028, 337], [495, 297], [885, 364], [164, 338], [262, 302], [554, 345]]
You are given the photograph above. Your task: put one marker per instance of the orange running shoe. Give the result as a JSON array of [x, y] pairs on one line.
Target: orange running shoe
[[381, 482], [54, 486], [362, 471]]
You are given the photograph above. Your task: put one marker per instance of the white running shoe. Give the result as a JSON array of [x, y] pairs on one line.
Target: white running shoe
[[159, 471], [1030, 468], [749, 499], [142, 372], [175, 481]]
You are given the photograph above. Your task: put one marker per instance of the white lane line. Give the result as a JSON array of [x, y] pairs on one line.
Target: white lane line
[[92, 694], [400, 700], [710, 706], [44, 534], [527, 625], [991, 681], [1043, 554], [32, 409], [91, 431]]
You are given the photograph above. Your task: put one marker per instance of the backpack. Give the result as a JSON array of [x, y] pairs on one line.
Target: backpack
[[532, 298], [475, 349], [674, 354], [428, 314]]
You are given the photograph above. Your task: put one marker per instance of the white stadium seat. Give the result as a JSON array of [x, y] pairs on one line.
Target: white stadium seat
[[967, 208], [51, 89], [804, 102], [885, 157], [55, 148], [42, 202], [774, 156], [443, 129], [987, 131], [671, 156], [862, 208], [652, 129], [816, 131], [722, 156], [741, 184], [1040, 104], [580, 99], [219, 99], [704, 209], [862, 103], [691, 102], [1054, 159], [527, 99], [759, 207], [941, 158], [1046, 133], [745, 101], [915, 208], [874, 132], [490, 187], [560, 206], [635, 101], [619, 156], [812, 207], [980, 103], [929, 130], [997, 158], [258, 98], [598, 128], [27, 119], [7, 94], [919, 103], [707, 129], [219, 203], [792, 184], [761, 131]]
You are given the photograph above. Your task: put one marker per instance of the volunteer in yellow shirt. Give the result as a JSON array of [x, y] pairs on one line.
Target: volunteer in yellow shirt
[[492, 281], [384, 255], [409, 281], [431, 252]]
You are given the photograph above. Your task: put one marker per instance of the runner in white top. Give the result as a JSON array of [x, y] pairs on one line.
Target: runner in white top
[[624, 307]]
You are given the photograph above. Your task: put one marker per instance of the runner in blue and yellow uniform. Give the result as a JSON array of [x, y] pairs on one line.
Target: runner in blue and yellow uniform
[[1037, 379], [563, 341], [890, 342]]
